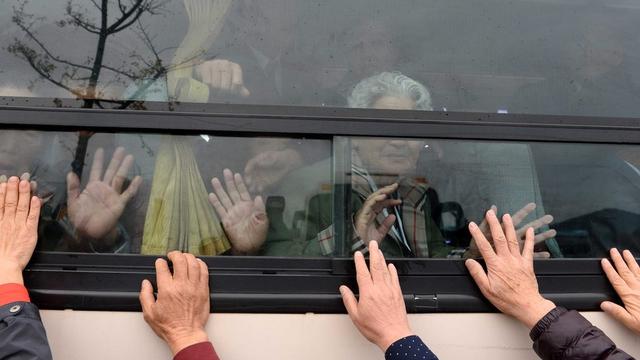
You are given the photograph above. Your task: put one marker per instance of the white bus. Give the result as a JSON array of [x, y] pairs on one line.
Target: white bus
[[124, 113]]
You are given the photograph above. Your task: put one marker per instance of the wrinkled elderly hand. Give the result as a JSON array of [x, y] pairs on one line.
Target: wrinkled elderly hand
[[181, 310], [223, 77], [379, 314], [365, 219], [517, 219], [509, 283], [269, 167], [625, 279], [244, 219], [95, 211], [19, 215]]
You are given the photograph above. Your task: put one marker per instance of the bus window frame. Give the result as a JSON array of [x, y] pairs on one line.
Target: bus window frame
[[300, 285]]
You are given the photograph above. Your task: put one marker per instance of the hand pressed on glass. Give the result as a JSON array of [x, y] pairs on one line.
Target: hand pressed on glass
[[223, 77], [365, 219], [379, 313], [95, 210], [244, 219], [19, 215], [509, 283], [180, 312], [517, 219], [625, 279]]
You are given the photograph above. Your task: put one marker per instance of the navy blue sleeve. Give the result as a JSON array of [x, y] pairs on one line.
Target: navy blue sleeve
[[22, 335], [410, 347]]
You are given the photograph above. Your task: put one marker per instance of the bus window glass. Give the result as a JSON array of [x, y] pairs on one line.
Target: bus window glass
[[561, 58], [149, 194], [417, 196]]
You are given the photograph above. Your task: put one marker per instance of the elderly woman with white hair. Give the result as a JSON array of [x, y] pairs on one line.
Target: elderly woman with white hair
[[390, 90]]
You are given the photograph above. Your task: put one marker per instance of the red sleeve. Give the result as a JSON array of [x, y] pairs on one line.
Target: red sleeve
[[199, 351], [13, 292]]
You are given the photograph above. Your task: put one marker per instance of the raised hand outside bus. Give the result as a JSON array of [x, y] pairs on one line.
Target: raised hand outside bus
[[19, 215], [244, 219], [625, 279], [509, 282], [95, 210]]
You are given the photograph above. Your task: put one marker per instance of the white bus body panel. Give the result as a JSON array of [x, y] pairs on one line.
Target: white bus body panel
[[81, 335]]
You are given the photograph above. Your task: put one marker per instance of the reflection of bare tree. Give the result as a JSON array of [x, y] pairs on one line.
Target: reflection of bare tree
[[83, 79]]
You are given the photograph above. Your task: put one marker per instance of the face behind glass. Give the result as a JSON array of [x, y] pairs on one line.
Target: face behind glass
[[18, 150], [390, 157]]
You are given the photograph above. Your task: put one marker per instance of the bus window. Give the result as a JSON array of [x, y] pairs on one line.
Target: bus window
[[149, 194], [417, 196], [563, 58]]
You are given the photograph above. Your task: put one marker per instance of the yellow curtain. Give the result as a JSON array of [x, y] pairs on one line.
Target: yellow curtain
[[180, 216]]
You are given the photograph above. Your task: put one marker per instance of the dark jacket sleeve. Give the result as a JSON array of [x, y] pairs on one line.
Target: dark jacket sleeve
[[22, 335], [410, 347], [566, 335]]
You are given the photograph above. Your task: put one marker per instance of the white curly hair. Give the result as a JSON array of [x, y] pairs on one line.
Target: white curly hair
[[369, 90]]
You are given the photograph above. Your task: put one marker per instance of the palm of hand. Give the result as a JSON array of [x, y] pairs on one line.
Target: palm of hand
[[246, 225], [369, 232], [96, 211]]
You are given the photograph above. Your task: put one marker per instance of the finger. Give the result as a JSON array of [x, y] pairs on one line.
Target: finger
[[221, 194], [478, 275], [25, 176], [193, 268], [24, 200], [370, 204], [542, 237], [536, 224], [378, 206], [350, 302], [34, 187], [484, 226], [231, 186], [220, 210], [619, 313], [395, 279], [147, 300], [258, 203], [499, 238], [631, 263], [485, 248], [3, 194], [121, 174], [387, 224], [73, 187], [214, 79], [131, 190], [163, 275], [362, 272], [204, 273], [619, 285], [622, 268], [180, 266], [34, 215], [379, 270], [96, 166], [541, 255], [389, 189], [242, 189], [11, 198], [527, 251], [522, 214], [238, 81], [510, 233], [226, 79], [114, 164]]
